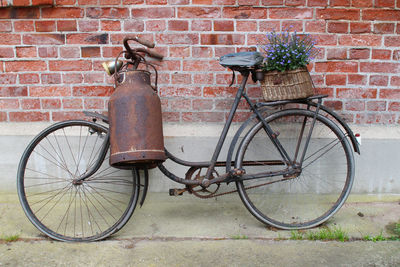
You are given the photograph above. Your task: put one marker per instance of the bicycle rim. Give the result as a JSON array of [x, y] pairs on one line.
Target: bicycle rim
[[309, 198], [90, 211]]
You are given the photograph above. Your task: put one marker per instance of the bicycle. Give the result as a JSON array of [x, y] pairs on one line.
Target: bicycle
[[293, 168]]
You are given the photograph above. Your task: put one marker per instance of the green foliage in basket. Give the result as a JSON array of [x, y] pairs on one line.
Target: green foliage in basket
[[288, 51]]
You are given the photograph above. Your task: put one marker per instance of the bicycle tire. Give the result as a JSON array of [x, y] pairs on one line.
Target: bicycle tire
[[318, 191], [90, 211]]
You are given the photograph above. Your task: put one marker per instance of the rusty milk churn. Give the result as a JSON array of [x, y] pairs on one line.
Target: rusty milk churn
[[136, 133]]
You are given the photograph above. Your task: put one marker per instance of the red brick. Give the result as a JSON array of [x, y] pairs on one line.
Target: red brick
[[355, 105], [67, 115], [202, 52], [203, 78], [269, 26], [65, 2], [44, 39], [385, 3], [171, 116], [336, 66], [45, 26], [356, 93], [376, 105], [338, 27], [109, 2], [362, 3], [394, 106], [177, 38], [219, 91], [248, 2], [289, 13], [19, 66], [325, 39], [271, 2], [360, 27], [20, 3], [87, 2], [20, 13], [29, 116], [180, 52], [70, 52], [180, 104], [340, 2], [87, 38], [223, 25], [28, 78], [48, 52], [93, 77], [379, 67], [222, 39], [338, 14], [201, 25], [88, 25], [334, 104], [93, 103], [5, 26], [62, 12], [220, 51], [356, 53], [336, 53], [156, 25], [26, 51], [199, 12], [6, 52], [246, 26], [392, 41], [336, 79], [3, 116], [370, 118], [9, 103], [72, 78], [202, 104], [180, 91], [389, 93], [70, 65], [360, 40], [90, 51], [24, 26], [110, 25], [202, 2], [40, 91], [178, 25], [395, 81], [30, 103], [321, 3], [181, 78], [133, 25], [357, 79], [72, 103], [66, 26], [295, 2], [293, 25], [383, 28], [8, 78], [42, 2], [396, 55], [202, 116], [92, 90], [10, 39], [244, 12], [111, 52], [381, 14], [107, 13], [50, 103], [117, 38], [381, 54], [50, 78], [153, 12], [378, 80]]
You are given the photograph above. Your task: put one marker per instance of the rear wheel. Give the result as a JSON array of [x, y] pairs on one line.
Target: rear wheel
[[65, 210], [320, 186]]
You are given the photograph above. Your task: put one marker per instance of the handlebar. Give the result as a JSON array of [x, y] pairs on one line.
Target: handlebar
[[141, 41]]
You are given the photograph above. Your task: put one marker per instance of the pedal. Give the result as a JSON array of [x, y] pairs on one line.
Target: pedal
[[176, 191]]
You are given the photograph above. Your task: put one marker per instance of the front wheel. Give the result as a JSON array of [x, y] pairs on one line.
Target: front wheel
[[55, 203], [317, 189]]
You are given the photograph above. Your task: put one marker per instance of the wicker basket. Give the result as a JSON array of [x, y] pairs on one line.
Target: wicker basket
[[290, 84]]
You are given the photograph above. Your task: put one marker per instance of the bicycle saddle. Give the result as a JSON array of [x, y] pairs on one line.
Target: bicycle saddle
[[241, 60]]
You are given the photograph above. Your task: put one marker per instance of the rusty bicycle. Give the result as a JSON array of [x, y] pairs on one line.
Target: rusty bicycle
[[293, 167]]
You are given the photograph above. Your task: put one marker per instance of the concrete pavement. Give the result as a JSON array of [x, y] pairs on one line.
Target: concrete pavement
[[186, 231]]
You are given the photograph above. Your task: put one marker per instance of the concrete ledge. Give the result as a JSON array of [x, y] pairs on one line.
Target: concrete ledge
[[376, 167]]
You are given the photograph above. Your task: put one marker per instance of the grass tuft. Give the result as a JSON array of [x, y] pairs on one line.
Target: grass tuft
[[238, 237], [10, 238]]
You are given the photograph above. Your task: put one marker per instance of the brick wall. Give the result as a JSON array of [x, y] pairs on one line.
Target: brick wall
[[51, 56]]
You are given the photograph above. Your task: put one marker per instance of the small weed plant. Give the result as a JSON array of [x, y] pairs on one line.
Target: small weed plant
[[10, 238], [323, 234], [238, 237]]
